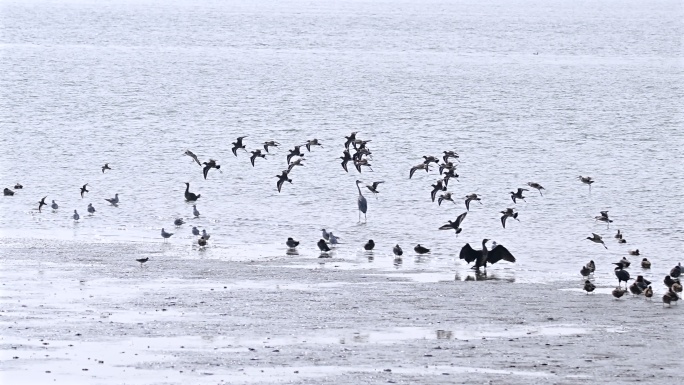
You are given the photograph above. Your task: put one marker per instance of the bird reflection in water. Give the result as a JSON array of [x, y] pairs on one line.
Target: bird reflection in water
[[292, 252], [398, 262], [479, 275], [444, 334]]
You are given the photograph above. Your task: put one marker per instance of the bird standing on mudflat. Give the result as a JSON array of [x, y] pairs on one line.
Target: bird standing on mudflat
[[323, 246], [54, 205], [484, 256], [91, 209], [142, 260], [202, 242], [291, 243], [397, 250], [588, 286], [361, 202], [621, 274], [165, 235], [619, 292], [76, 216], [194, 211], [7, 192], [676, 271]]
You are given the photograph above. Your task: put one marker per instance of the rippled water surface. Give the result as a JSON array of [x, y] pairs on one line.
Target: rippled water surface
[[523, 90]]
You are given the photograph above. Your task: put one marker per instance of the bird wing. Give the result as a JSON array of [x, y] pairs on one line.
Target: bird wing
[[596, 236], [251, 158], [503, 220], [413, 170], [460, 219], [234, 149], [344, 165], [279, 184], [375, 184], [205, 170], [498, 253], [448, 226], [468, 253], [467, 203]]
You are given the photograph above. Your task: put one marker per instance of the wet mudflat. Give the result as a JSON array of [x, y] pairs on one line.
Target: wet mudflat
[[86, 313]]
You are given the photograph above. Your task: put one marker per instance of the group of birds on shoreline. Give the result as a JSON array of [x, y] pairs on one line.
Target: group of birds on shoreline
[[357, 151]]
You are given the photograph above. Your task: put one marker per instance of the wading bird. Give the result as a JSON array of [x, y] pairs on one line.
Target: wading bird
[[361, 203], [420, 249], [397, 250], [291, 243], [370, 245]]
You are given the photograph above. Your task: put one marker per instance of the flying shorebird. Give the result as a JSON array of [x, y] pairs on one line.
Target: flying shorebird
[[604, 218], [291, 243], [455, 225], [370, 245], [105, 167], [350, 139], [420, 249], [190, 197], [360, 163], [471, 197], [282, 178], [345, 159], [238, 145], [374, 188], [114, 201], [586, 180], [208, 166], [54, 206], [361, 202], [449, 154], [422, 166], [439, 186], [445, 197], [41, 203], [446, 166], [597, 239], [484, 256], [91, 209], [295, 163], [256, 154], [270, 143], [518, 194], [294, 152], [312, 142], [84, 189], [18, 186], [508, 213], [193, 156], [536, 186], [430, 159], [448, 175]]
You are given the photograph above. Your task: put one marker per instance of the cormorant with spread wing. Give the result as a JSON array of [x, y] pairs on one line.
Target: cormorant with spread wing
[[484, 256]]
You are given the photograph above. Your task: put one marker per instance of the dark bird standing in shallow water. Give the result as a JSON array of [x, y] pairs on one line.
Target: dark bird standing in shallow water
[[585, 271], [645, 263], [323, 246], [621, 274], [202, 242], [142, 260], [642, 282], [455, 225], [591, 266], [361, 203], [588, 286], [282, 178], [484, 256], [41, 203], [84, 189], [291, 243], [619, 292], [676, 271], [7, 192], [370, 245], [18, 186], [190, 197], [635, 289], [668, 281], [420, 249], [238, 145], [397, 251]]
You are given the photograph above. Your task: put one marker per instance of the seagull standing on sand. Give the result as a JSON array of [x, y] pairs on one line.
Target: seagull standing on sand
[[194, 211], [114, 201], [165, 235]]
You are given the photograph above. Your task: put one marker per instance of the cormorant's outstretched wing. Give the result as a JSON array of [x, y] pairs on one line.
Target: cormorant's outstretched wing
[[498, 253], [469, 254]]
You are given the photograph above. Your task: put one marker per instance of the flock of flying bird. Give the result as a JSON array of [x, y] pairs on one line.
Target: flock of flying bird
[[357, 151]]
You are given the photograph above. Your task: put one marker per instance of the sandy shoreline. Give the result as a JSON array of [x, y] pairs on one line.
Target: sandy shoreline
[[88, 314]]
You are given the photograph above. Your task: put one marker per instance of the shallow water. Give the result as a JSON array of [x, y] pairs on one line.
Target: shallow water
[[135, 84]]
